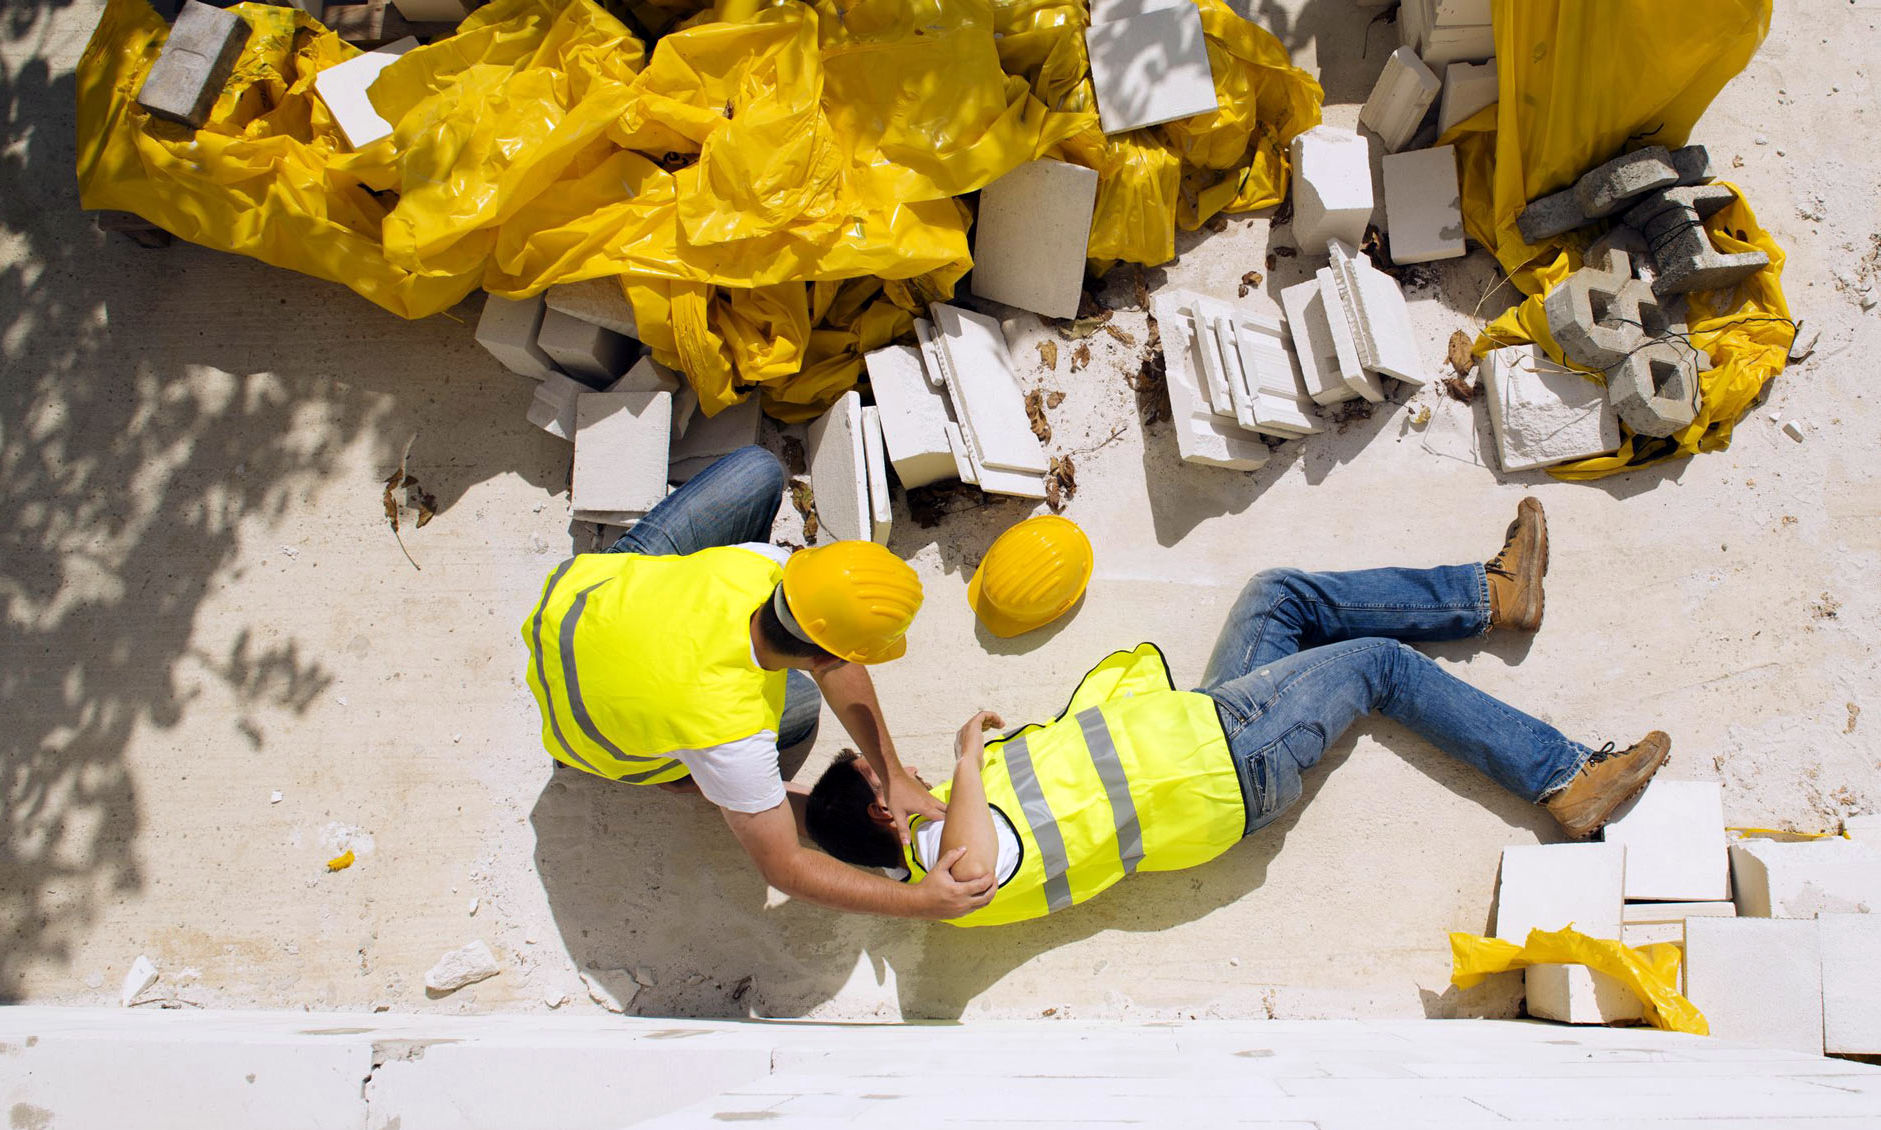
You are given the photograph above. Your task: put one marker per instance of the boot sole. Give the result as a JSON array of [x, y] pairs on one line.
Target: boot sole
[[1645, 778]]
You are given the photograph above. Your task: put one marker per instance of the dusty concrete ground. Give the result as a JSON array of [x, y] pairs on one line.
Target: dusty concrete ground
[[203, 607]]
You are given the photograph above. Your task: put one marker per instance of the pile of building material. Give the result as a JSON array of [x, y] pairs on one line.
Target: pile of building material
[[1606, 318], [1781, 941], [1031, 235], [848, 472], [1444, 31]]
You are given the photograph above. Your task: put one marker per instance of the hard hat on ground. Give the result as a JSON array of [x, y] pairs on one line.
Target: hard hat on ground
[[853, 599], [1033, 574]]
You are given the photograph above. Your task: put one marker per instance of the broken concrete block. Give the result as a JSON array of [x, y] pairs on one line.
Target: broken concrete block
[[986, 396], [1543, 413], [1674, 838], [1693, 163], [583, 350], [1150, 68], [1802, 880], [1311, 335], [465, 965], [960, 436], [711, 438], [1757, 981], [1467, 88], [1803, 343], [1030, 239], [648, 375], [1449, 43], [508, 328], [599, 302], [1468, 12], [1375, 309], [1345, 340], [1655, 389], [1643, 913], [1604, 190], [600, 994], [839, 471], [875, 461], [1551, 215], [439, 11], [1423, 206], [1622, 240], [1255, 354], [914, 416], [195, 64], [1671, 219], [1851, 983], [1399, 100], [1599, 316], [1332, 186], [343, 88], [1414, 20], [1201, 436], [1551, 886], [553, 408], [142, 975], [1575, 994], [621, 445]]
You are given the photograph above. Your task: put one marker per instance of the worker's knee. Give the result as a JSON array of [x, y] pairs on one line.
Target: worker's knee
[[757, 468], [1272, 587]]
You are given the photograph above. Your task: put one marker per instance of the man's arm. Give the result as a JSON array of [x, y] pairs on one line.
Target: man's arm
[[969, 825], [851, 694], [770, 837]]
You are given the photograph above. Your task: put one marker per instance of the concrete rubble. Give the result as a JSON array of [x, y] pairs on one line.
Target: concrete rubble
[[914, 416], [1332, 186], [1403, 94], [599, 302], [1802, 880], [587, 352], [1445, 31], [1542, 413], [875, 457], [1467, 88], [1202, 436], [1612, 187], [194, 65], [1656, 389], [1606, 320], [1030, 236], [465, 965], [1375, 310], [1553, 886], [977, 371], [699, 440]]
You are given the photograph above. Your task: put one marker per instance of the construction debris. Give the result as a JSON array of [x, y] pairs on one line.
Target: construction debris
[[465, 965], [1673, 833], [1150, 68], [1612, 187], [1375, 312], [1423, 205], [1467, 88], [621, 448], [1672, 220], [592, 355], [1202, 436], [1543, 413], [599, 302], [1757, 980], [142, 975], [1332, 186], [195, 64], [969, 351], [1404, 92], [1444, 31], [343, 88], [507, 330], [875, 460], [839, 471], [1030, 239]]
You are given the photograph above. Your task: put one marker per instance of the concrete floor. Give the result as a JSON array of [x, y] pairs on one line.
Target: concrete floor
[[203, 606]]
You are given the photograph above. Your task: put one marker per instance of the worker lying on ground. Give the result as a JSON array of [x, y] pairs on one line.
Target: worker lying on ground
[[679, 658], [1136, 776]]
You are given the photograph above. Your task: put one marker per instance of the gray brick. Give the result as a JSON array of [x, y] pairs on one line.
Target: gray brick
[[1672, 220], [195, 64], [1655, 389], [1693, 163], [1622, 238], [1602, 313], [1550, 216], [1605, 190]]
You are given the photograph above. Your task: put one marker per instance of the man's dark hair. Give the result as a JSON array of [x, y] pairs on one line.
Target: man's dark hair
[[837, 817], [779, 638]]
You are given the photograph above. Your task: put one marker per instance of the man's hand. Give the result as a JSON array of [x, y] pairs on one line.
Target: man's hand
[[904, 796], [943, 897], [970, 742]]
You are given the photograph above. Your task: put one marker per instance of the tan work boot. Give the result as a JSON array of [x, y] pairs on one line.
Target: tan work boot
[[1608, 780], [1515, 597]]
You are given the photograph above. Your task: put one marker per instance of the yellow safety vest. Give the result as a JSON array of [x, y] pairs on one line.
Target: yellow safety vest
[[1133, 776], [633, 657]]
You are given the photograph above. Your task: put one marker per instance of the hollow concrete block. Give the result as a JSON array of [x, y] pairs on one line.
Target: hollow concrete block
[[1674, 837], [1599, 316], [1655, 389], [1671, 220], [1851, 983], [507, 330], [1423, 206], [194, 65], [1802, 880], [1399, 100], [1575, 994], [1332, 186], [1605, 189], [1757, 981], [1031, 235]]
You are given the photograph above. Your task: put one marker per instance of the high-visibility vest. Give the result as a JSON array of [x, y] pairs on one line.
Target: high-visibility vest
[[1133, 776], [633, 657]]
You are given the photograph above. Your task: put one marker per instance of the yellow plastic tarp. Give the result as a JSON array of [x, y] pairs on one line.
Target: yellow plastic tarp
[[1651, 972], [1579, 84]]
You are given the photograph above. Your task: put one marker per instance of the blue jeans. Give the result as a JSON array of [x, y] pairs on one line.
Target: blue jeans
[[1304, 655], [733, 501]]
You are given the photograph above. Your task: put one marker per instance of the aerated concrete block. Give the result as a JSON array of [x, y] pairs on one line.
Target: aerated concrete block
[[986, 396], [1449, 43], [1655, 389], [1332, 186], [839, 471], [1599, 316], [710, 438], [914, 416], [598, 302], [648, 375], [553, 408], [1551, 886], [1423, 206], [1555, 214], [1030, 238], [343, 88], [1575, 994], [1803, 880], [1757, 981], [1851, 983], [1375, 309], [1672, 221], [875, 461], [583, 350], [1150, 68], [1606, 189], [195, 64], [1201, 436], [1345, 340], [1645, 913], [621, 443], [1311, 335], [1399, 100], [1543, 413], [507, 329], [1467, 88], [1674, 837], [1638, 934]]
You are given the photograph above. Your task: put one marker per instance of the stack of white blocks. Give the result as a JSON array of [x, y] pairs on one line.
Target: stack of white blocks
[[1551, 887], [1444, 31], [1231, 379]]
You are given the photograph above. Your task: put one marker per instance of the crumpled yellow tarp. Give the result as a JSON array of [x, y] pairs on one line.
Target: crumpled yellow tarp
[[1651, 972], [1580, 83], [777, 193]]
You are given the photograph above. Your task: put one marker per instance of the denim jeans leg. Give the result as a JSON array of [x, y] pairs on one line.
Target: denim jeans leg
[[733, 501], [1279, 718], [796, 730], [1283, 611]]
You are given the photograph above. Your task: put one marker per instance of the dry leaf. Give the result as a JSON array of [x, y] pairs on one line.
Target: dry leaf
[[1081, 356], [1151, 380], [1461, 359], [341, 861], [1119, 333], [1082, 327], [1141, 286], [1054, 398], [1061, 482], [1458, 389], [1249, 281], [1048, 354], [1035, 412], [804, 499], [1216, 223], [427, 504]]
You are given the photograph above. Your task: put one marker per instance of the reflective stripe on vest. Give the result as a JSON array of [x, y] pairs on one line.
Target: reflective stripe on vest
[[1041, 822]]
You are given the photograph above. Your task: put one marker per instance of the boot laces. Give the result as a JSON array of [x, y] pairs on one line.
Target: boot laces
[[1603, 753], [1495, 564]]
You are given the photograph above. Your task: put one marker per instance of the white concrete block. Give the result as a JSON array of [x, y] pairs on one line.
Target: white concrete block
[[1450, 43], [1551, 886], [1110, 11], [553, 409], [1150, 68], [433, 11], [1375, 309], [343, 88], [1803, 880], [648, 375], [1459, 11], [963, 459], [914, 416], [1654, 912], [1201, 436], [875, 460], [1311, 336], [1345, 340], [1575, 994], [1674, 837], [1030, 238], [1400, 99], [1414, 20], [1332, 186], [685, 410], [1756, 980], [583, 350], [1653, 933], [1851, 983], [465, 965], [1423, 205], [839, 472], [507, 329], [621, 445], [986, 396], [1864, 829], [710, 438], [1467, 88], [1255, 350], [599, 302], [1544, 413]]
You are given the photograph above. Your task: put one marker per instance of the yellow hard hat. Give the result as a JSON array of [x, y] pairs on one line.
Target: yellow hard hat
[[1033, 574], [853, 599]]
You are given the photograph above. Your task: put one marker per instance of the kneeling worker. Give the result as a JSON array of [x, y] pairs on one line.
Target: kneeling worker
[[679, 658], [1137, 776]]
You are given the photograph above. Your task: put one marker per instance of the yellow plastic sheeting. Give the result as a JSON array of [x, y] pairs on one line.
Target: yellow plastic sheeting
[[1651, 972], [1747, 342]]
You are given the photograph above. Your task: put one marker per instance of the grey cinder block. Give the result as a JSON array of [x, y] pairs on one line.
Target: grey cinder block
[[195, 64], [1693, 163], [1605, 190], [1655, 389], [1672, 220], [1552, 215], [1601, 313]]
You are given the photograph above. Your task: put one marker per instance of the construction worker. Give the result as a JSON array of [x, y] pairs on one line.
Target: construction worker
[[1136, 776], [691, 655]]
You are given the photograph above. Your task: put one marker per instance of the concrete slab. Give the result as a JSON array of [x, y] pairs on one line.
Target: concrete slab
[[1332, 186], [1030, 237], [343, 88], [875, 456], [1201, 436], [1552, 886], [621, 443], [1150, 68], [507, 328], [1674, 838], [1400, 99], [1803, 880], [1851, 983], [197, 58], [1467, 88], [599, 302], [914, 416], [839, 472], [1423, 206], [1543, 413], [1756, 980]]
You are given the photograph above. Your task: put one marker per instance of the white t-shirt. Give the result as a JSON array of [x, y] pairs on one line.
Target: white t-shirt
[[927, 849], [742, 775]]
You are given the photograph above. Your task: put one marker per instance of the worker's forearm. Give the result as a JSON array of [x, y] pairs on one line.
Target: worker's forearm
[[817, 878], [851, 695], [970, 822]]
